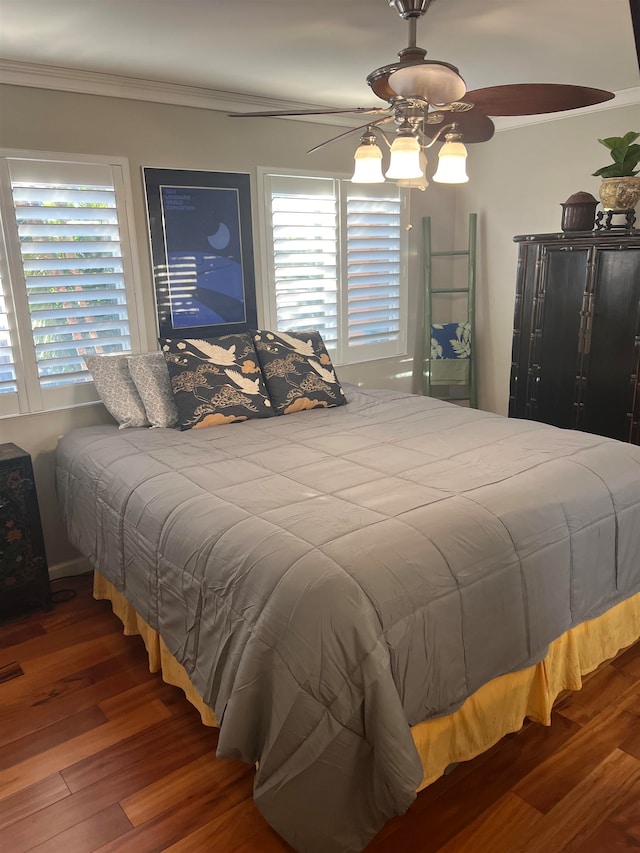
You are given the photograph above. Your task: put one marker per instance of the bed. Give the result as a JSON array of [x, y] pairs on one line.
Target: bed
[[361, 596]]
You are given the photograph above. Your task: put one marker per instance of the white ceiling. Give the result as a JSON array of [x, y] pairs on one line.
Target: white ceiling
[[320, 51]]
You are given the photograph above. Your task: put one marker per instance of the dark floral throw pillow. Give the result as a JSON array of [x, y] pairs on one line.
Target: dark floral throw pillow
[[298, 371], [215, 381]]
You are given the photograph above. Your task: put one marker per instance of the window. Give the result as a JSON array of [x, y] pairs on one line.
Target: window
[[66, 277], [336, 262]]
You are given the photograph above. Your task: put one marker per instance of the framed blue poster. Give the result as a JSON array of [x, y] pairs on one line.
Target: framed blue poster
[[201, 251]]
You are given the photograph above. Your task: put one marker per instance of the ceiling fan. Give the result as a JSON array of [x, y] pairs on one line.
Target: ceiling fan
[[425, 97]]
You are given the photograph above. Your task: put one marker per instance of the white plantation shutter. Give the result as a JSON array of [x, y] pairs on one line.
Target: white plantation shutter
[[334, 252], [373, 270], [304, 219], [72, 260], [8, 380], [70, 273]]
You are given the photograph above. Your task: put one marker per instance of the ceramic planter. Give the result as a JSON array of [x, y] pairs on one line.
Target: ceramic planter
[[620, 193]]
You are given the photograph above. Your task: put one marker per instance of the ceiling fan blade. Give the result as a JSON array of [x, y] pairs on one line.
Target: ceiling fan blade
[[327, 112], [347, 132], [521, 99], [473, 125]]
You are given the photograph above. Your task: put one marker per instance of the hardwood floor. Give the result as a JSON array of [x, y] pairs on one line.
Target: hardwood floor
[[96, 754]]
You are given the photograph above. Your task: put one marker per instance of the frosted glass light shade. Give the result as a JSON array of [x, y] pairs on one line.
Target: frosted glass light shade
[[368, 168], [420, 183], [437, 84], [405, 159], [452, 164]]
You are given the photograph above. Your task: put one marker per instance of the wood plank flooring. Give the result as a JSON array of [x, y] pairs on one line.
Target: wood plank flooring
[[97, 754]]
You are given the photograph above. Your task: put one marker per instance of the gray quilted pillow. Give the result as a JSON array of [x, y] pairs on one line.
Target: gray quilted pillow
[[117, 389], [151, 377]]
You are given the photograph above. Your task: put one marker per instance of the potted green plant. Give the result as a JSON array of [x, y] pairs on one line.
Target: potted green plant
[[620, 186]]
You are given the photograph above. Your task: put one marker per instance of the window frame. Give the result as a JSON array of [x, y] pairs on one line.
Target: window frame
[[343, 354], [31, 397]]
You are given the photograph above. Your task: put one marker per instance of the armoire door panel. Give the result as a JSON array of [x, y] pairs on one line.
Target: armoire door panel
[[528, 261], [612, 352], [559, 331]]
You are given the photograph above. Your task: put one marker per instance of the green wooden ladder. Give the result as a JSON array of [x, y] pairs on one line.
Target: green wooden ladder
[[465, 393]]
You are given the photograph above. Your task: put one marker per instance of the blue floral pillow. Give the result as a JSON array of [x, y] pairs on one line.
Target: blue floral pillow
[[215, 381], [451, 340]]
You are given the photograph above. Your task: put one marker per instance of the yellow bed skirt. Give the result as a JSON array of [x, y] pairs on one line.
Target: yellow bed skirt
[[496, 709]]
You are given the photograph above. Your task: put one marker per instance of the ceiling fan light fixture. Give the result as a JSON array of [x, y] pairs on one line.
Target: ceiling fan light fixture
[[452, 161], [434, 82], [368, 162], [404, 162]]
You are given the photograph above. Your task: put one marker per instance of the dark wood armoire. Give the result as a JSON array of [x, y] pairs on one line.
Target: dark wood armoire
[[576, 337]]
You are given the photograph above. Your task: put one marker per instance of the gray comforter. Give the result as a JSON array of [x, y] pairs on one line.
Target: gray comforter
[[332, 577]]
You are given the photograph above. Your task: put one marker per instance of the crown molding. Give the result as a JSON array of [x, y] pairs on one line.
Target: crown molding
[[116, 86]]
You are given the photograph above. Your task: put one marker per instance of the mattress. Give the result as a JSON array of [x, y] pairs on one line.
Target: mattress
[[331, 578]]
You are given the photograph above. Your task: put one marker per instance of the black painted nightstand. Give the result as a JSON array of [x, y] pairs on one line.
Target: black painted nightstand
[[24, 574]]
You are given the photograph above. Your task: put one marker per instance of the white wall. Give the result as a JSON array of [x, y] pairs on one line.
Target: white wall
[[151, 134], [518, 181]]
